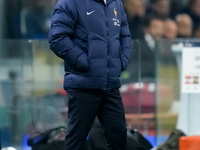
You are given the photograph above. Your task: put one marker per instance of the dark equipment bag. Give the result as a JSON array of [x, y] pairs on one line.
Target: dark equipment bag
[[53, 139], [97, 139]]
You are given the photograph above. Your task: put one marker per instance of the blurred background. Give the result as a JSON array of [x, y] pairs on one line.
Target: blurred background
[[32, 99]]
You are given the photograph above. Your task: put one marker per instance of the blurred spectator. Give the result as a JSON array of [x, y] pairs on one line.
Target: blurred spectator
[[170, 29], [135, 11], [36, 19], [144, 55], [170, 33], [193, 10], [153, 30], [184, 23], [159, 8]]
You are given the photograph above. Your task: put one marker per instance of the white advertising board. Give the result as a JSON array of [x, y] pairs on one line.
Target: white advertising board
[[191, 70]]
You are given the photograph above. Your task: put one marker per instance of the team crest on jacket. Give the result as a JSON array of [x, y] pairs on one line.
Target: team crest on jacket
[[115, 13], [115, 20]]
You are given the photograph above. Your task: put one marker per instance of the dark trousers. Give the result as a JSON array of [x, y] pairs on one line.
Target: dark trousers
[[84, 106]]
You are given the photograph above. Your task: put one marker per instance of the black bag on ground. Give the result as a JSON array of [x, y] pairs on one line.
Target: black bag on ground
[[172, 141], [97, 139], [136, 141], [52, 139]]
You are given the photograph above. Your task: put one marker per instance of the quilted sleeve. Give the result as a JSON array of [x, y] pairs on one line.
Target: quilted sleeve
[[63, 26]]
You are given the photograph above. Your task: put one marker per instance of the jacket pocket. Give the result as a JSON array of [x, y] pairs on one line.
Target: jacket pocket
[[120, 57], [117, 42]]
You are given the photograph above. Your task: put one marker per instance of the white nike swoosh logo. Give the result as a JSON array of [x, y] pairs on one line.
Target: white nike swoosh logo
[[89, 13]]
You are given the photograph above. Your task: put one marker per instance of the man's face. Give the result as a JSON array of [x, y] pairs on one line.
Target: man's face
[[135, 8], [196, 7], [156, 29], [162, 7], [170, 30], [185, 27]]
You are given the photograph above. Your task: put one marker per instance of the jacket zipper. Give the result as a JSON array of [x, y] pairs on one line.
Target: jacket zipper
[[108, 53]]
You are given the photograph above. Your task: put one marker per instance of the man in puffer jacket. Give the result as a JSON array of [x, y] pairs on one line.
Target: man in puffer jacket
[[93, 39]]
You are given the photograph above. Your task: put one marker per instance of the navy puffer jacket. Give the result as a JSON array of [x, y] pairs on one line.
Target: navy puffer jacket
[[94, 41]]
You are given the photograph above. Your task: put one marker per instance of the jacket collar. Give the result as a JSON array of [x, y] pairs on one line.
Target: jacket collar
[[102, 1]]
